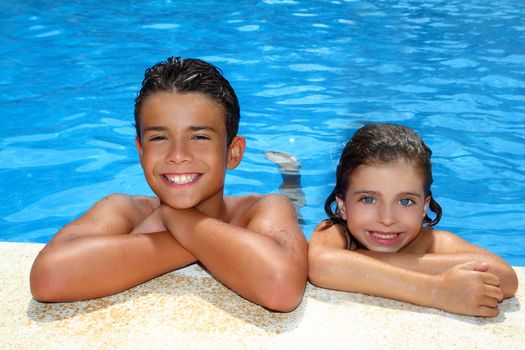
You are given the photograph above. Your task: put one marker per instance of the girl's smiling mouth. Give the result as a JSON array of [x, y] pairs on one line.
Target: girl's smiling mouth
[[385, 238]]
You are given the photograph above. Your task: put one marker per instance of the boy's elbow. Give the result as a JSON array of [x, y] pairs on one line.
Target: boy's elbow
[[43, 281], [284, 291]]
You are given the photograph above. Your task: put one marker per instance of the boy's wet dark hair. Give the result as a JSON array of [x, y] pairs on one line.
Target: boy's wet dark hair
[[378, 144], [190, 76]]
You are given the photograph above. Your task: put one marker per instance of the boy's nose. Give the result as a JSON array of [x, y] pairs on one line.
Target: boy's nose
[[179, 153]]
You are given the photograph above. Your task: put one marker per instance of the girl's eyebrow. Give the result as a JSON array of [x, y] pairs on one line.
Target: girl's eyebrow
[[407, 193], [414, 194], [365, 192]]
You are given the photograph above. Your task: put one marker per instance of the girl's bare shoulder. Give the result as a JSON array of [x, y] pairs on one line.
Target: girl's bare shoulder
[[328, 234], [439, 241]]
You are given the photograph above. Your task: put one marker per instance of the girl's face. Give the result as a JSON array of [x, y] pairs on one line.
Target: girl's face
[[384, 205]]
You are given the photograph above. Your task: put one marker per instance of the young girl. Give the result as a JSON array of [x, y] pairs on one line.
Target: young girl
[[379, 239]]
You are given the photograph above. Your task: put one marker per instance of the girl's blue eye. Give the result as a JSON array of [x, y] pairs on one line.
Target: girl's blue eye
[[406, 202], [368, 200]]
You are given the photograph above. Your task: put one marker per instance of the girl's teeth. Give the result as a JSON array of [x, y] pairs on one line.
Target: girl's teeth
[[384, 235]]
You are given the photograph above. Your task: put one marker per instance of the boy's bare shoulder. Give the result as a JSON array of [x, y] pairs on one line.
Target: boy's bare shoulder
[[249, 208], [125, 201]]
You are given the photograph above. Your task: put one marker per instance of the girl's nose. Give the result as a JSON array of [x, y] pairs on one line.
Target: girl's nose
[[386, 215]]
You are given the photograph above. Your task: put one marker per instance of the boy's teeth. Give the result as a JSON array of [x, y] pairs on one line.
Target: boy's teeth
[[180, 179], [384, 235]]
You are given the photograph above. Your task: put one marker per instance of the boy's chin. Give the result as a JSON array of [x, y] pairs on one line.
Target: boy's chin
[[179, 205]]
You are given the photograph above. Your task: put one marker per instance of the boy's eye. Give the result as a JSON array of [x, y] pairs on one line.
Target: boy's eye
[[157, 138], [200, 137], [406, 202], [367, 200]]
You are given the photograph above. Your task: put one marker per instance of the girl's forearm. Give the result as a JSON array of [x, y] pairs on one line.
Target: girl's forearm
[[355, 272], [461, 289], [435, 264]]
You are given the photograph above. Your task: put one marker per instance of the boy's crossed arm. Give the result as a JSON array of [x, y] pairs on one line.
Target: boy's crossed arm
[[95, 256], [265, 261]]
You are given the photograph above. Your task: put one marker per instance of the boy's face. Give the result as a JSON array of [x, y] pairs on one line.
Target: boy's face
[[183, 149]]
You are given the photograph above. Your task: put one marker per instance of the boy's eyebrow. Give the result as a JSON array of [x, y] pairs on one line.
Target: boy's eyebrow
[[154, 128], [201, 127], [190, 128]]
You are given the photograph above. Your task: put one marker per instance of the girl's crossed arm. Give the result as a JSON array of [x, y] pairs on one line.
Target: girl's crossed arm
[[465, 288], [441, 251]]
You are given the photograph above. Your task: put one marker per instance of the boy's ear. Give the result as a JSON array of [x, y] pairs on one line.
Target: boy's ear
[[341, 205], [235, 152], [138, 145]]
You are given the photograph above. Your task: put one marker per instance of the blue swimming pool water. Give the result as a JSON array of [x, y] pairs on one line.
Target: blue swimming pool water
[[307, 74]]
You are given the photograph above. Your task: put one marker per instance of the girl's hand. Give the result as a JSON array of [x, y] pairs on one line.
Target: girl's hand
[[469, 290]]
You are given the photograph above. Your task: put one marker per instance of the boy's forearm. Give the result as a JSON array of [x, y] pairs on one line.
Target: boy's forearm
[[435, 264], [96, 266], [254, 265]]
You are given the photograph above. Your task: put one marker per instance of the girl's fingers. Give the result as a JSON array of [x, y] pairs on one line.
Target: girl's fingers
[[487, 311], [494, 292], [489, 302], [490, 278]]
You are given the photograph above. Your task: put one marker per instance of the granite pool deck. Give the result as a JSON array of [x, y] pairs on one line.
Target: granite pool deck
[[188, 309]]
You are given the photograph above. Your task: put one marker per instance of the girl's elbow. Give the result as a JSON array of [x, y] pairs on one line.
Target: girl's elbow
[[317, 266], [510, 283]]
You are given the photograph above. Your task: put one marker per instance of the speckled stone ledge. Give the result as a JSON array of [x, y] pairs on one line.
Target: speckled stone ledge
[[188, 309]]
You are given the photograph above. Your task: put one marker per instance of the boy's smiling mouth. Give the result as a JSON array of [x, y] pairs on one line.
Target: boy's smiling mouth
[[180, 179]]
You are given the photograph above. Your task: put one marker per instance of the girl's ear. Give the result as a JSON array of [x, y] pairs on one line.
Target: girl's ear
[[341, 205], [235, 152], [139, 146], [425, 208]]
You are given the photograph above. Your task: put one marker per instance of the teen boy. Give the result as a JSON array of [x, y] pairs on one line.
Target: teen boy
[[186, 117]]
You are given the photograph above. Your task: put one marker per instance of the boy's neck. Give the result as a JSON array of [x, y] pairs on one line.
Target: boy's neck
[[215, 207]]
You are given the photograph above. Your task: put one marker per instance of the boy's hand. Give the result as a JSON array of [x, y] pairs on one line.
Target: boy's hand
[[469, 290], [153, 223]]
